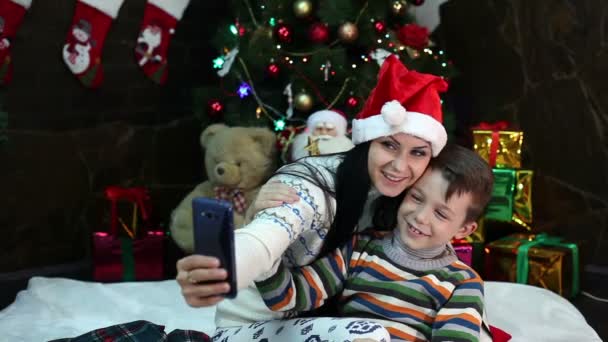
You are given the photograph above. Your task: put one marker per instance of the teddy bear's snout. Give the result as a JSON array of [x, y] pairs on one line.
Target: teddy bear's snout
[[227, 174]]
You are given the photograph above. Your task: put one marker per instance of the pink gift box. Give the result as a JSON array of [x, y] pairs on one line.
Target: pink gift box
[[120, 258], [464, 251], [128, 254]]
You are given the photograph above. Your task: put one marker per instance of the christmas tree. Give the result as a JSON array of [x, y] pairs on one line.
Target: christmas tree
[[278, 61]]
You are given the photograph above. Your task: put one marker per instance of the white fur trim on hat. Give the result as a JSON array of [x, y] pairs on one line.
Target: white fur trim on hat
[[23, 3], [175, 8], [417, 124], [328, 116], [109, 7]]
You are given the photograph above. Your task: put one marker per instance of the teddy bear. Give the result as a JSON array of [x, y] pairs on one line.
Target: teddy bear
[[238, 161]]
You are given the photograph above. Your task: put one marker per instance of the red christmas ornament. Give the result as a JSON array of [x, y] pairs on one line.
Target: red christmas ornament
[[352, 101], [414, 36], [318, 33], [241, 29], [380, 27], [283, 33], [215, 108], [417, 2], [273, 70]]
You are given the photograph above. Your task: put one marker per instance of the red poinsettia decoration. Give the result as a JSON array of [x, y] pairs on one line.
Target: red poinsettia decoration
[[414, 36]]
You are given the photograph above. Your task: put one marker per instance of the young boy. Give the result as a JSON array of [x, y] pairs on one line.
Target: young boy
[[409, 280]]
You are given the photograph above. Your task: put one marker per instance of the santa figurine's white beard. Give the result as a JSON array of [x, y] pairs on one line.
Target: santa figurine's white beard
[[327, 144]]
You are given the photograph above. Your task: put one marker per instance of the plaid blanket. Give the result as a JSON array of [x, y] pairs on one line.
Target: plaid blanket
[[138, 331]]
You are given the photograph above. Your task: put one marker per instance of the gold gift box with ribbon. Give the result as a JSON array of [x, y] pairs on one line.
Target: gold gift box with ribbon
[[540, 260], [500, 148]]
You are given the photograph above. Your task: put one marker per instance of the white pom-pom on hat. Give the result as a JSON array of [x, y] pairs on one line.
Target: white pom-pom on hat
[[393, 113]]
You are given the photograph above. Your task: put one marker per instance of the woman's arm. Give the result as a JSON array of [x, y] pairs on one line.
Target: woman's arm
[[258, 245]]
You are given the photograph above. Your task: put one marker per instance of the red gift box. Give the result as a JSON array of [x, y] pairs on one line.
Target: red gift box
[[126, 254], [464, 251]]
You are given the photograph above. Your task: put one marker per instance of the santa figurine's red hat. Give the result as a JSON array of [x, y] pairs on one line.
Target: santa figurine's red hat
[[403, 101]]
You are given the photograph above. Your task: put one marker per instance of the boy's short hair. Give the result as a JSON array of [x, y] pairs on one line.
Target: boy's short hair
[[466, 172]]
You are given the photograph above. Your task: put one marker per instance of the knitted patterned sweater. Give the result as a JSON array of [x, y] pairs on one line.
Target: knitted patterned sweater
[[292, 233], [416, 299]]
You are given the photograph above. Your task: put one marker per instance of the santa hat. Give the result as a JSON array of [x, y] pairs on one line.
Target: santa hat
[[403, 101], [329, 116]]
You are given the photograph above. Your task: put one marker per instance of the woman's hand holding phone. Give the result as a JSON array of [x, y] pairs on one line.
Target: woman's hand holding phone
[[200, 279]]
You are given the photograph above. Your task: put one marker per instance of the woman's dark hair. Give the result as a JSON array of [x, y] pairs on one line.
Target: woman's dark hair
[[385, 215], [352, 186]]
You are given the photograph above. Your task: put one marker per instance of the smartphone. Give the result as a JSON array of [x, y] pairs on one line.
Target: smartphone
[[214, 234]]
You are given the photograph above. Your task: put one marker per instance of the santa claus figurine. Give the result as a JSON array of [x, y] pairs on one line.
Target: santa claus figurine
[[325, 133]]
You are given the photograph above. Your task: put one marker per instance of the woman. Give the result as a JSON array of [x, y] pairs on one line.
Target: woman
[[393, 147]]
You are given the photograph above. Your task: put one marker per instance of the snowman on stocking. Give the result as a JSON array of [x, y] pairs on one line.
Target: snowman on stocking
[[76, 53], [325, 133]]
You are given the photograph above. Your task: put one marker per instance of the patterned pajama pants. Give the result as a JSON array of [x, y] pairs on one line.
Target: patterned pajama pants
[[318, 329]]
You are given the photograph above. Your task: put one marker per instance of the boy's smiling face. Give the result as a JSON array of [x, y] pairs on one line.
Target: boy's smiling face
[[426, 219]]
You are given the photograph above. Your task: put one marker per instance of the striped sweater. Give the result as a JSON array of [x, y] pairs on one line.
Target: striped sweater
[[440, 304]]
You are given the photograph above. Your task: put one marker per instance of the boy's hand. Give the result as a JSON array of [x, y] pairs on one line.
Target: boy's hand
[[199, 277], [272, 194]]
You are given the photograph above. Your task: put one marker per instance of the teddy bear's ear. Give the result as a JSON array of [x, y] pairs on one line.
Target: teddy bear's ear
[[265, 138], [209, 132]]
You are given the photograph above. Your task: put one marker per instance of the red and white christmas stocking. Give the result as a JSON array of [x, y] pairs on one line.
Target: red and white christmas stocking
[[159, 22], [84, 42], [11, 16]]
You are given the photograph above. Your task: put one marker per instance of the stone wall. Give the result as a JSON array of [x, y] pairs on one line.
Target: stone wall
[[544, 65]]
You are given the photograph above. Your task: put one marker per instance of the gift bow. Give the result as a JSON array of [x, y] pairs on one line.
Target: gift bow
[[137, 195], [495, 128], [236, 196], [522, 262]]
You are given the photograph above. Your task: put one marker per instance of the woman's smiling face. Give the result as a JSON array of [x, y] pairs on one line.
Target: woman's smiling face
[[395, 162]]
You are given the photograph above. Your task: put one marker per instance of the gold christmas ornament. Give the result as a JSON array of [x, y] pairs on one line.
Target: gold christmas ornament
[[348, 32], [399, 8], [303, 102], [302, 8], [260, 34]]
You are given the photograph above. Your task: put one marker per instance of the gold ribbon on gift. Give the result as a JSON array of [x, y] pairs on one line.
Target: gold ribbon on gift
[[132, 232]]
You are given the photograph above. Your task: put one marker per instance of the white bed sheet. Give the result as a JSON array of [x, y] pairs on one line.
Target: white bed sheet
[[53, 308]]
